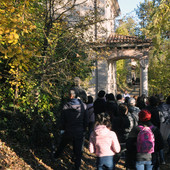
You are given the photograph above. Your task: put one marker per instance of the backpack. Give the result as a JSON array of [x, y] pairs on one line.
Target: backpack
[[145, 140]]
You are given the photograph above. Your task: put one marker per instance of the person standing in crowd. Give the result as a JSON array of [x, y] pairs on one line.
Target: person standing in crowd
[[141, 101], [73, 125], [153, 109], [111, 106], [164, 107], [121, 124], [100, 103], [119, 99], [81, 92], [133, 110], [134, 113], [126, 100], [126, 94], [167, 121], [146, 159], [164, 127], [104, 143], [155, 119], [91, 116]]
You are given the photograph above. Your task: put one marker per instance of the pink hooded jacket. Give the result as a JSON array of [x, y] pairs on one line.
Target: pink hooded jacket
[[103, 142]]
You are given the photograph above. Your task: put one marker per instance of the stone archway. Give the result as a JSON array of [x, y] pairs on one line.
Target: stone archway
[[125, 47]]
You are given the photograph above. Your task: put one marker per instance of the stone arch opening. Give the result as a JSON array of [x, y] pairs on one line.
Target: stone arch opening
[[119, 47]]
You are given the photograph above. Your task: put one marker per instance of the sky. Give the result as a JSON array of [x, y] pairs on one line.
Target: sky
[[127, 6]]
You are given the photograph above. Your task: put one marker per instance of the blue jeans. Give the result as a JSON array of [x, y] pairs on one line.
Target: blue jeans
[[105, 162], [144, 165]]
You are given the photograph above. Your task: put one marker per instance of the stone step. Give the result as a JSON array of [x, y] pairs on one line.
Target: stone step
[[133, 91], [134, 94]]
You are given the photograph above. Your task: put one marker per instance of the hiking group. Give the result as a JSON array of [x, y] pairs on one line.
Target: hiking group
[[115, 127]]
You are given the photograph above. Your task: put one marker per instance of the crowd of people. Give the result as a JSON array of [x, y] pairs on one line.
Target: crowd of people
[[115, 126]]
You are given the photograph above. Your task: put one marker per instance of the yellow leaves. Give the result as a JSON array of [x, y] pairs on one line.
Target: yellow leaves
[[6, 31], [2, 11], [5, 57], [25, 31], [56, 25], [32, 27], [12, 71], [13, 37]]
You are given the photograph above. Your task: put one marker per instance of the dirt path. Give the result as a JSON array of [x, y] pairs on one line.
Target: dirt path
[[22, 158]]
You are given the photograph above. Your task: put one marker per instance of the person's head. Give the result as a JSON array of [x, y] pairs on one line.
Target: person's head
[[123, 109], [90, 99], [132, 101], [73, 93], [103, 119], [125, 91], [101, 94], [77, 81], [160, 98], [144, 116], [111, 97], [153, 101], [119, 97], [140, 102], [127, 100], [168, 100]]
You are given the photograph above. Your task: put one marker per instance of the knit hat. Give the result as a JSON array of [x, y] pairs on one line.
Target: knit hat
[[144, 115]]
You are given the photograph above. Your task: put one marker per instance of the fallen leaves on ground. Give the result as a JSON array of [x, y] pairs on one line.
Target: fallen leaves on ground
[[11, 159]]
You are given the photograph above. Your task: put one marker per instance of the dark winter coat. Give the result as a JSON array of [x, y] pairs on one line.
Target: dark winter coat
[[74, 117], [121, 126], [112, 109], [99, 106], [155, 117]]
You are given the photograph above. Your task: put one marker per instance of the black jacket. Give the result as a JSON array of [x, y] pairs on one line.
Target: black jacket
[[74, 116], [155, 118], [121, 125], [99, 106]]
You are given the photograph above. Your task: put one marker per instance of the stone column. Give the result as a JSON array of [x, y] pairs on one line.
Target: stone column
[[96, 74], [144, 76], [114, 84], [109, 77]]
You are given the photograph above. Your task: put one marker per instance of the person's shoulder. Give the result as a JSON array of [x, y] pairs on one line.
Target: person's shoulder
[[92, 135], [66, 103], [134, 132], [112, 132], [136, 109]]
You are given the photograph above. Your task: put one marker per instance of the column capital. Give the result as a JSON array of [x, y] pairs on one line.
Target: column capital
[[144, 63]]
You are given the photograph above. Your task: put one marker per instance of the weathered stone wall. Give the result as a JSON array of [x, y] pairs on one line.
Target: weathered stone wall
[[101, 80]]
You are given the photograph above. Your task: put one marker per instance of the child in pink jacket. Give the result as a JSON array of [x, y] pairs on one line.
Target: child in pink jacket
[[104, 142]]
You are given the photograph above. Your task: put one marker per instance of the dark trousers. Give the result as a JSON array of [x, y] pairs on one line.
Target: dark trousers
[[91, 128], [168, 140], [77, 140], [155, 160]]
